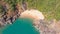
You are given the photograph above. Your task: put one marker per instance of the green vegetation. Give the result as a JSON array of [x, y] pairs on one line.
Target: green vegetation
[[50, 8]]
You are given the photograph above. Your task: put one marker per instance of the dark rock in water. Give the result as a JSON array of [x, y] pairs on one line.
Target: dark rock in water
[[21, 26]]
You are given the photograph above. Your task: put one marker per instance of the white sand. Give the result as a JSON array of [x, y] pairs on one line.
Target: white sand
[[35, 14]]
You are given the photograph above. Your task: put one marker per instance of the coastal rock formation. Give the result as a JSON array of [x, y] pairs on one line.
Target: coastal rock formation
[[44, 26]]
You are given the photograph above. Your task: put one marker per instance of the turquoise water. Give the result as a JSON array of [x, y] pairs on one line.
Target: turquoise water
[[21, 26]]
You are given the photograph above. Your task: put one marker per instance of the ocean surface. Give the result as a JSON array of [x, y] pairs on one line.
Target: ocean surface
[[21, 26]]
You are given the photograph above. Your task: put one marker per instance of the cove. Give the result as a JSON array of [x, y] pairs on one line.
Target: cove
[[21, 26]]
